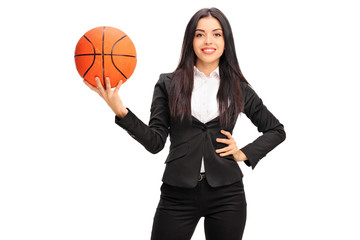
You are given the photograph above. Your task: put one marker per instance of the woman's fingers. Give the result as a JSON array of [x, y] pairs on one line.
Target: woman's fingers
[[118, 87], [224, 140], [100, 89], [92, 87], [99, 86], [227, 149], [231, 148], [229, 140], [107, 84], [109, 96], [226, 134]]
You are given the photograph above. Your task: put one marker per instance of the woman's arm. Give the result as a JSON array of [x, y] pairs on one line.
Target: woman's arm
[[273, 131], [152, 137]]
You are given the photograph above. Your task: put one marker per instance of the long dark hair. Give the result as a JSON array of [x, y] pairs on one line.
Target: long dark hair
[[229, 95]]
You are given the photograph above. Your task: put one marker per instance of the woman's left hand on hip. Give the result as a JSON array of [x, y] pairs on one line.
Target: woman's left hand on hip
[[231, 149]]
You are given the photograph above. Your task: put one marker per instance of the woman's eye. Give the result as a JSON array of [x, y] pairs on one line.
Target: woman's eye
[[199, 35], [217, 34]]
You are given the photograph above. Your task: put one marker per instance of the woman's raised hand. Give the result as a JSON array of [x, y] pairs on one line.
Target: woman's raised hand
[[110, 96], [231, 148]]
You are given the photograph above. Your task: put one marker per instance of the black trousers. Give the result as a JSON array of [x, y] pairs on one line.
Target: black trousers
[[180, 209]]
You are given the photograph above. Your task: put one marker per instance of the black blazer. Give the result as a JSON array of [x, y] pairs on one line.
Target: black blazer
[[189, 142]]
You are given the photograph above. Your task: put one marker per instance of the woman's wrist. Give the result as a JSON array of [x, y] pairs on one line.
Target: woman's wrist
[[240, 156], [121, 113]]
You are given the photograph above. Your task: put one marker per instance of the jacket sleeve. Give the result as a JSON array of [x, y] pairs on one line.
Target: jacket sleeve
[[152, 136], [273, 131]]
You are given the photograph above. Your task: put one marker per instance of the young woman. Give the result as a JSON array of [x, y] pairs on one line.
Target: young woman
[[198, 105]]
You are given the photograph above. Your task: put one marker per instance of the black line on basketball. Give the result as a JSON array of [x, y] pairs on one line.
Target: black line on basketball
[[88, 54], [93, 54], [102, 53], [122, 55], [120, 39], [112, 58], [105, 54]]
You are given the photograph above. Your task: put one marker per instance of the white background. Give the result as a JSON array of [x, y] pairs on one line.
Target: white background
[[67, 171]]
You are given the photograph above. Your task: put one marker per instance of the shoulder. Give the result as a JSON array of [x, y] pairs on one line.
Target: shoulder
[[164, 81], [162, 86], [247, 90], [165, 78]]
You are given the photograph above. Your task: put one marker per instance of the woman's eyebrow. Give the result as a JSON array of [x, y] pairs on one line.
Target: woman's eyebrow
[[216, 29]]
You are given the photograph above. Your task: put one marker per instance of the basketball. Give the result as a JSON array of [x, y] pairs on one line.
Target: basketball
[[105, 52]]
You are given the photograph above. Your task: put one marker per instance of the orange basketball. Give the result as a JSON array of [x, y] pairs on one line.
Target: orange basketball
[[105, 52]]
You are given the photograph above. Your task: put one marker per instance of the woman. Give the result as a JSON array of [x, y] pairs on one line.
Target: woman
[[198, 105]]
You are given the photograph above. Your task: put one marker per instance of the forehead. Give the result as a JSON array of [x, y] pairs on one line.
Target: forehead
[[208, 23]]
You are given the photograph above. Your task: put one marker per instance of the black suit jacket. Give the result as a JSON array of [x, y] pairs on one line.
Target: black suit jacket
[[189, 142]]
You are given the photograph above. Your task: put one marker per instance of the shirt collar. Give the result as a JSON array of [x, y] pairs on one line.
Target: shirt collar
[[214, 74]]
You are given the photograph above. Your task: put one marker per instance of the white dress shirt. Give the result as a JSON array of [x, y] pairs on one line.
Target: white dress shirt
[[204, 104]]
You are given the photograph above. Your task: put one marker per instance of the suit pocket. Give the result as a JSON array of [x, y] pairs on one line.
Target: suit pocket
[[177, 152]]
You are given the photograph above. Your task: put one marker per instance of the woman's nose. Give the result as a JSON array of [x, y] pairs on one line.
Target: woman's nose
[[208, 39]]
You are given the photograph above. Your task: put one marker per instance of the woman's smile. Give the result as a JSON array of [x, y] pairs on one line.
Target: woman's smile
[[208, 50]]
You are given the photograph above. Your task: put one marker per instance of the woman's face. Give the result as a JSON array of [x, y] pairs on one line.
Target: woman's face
[[208, 42]]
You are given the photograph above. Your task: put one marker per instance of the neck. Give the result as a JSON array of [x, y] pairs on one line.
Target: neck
[[206, 68]]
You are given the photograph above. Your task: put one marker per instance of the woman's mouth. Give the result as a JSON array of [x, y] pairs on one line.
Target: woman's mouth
[[208, 50]]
